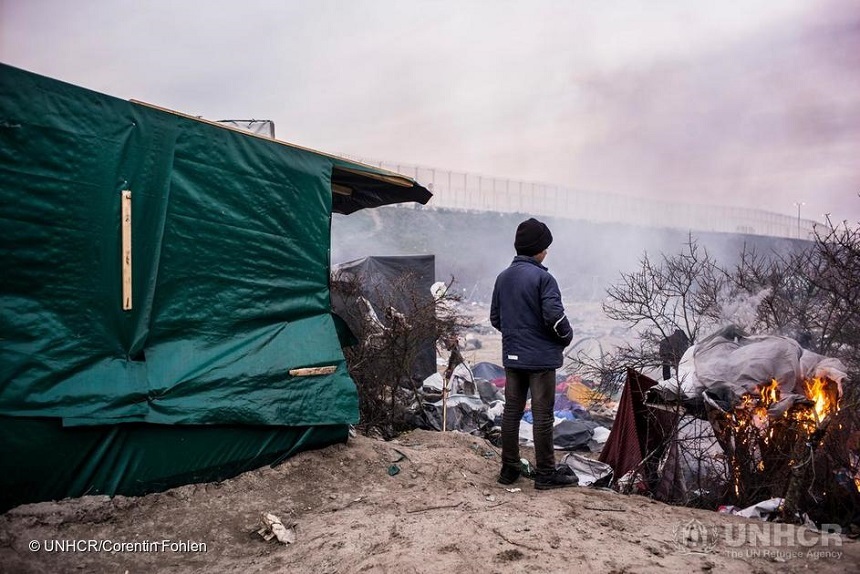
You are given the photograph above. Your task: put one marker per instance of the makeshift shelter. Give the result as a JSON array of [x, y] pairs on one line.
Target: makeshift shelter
[[638, 434], [372, 291], [164, 309]]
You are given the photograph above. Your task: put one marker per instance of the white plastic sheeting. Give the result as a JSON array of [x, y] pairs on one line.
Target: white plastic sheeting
[[731, 364], [588, 470]]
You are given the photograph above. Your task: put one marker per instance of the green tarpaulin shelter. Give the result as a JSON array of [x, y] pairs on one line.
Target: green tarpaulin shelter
[[164, 306]]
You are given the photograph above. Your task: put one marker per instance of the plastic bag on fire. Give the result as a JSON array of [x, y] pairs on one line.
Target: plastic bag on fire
[[730, 364]]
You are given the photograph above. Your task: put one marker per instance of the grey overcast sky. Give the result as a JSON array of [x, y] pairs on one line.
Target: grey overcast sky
[[750, 103]]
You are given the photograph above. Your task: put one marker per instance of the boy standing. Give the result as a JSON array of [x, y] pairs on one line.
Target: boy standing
[[527, 309]]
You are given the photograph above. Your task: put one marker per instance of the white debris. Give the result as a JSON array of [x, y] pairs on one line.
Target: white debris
[[272, 527]]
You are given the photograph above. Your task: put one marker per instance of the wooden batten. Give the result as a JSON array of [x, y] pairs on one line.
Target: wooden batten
[[313, 371], [126, 250]]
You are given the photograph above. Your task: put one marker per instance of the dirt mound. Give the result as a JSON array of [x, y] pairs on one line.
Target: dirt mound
[[427, 502]]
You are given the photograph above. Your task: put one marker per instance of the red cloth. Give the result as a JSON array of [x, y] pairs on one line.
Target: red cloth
[[637, 430]]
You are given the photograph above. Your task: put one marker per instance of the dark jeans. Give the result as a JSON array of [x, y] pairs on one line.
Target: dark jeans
[[517, 385]]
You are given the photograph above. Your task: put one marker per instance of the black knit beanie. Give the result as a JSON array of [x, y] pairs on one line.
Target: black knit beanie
[[533, 237]]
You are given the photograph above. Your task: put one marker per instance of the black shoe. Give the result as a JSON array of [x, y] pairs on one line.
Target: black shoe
[[561, 477], [509, 474]]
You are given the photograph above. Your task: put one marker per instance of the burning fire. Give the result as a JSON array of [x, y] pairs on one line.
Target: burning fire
[[825, 395], [752, 415], [769, 393], [768, 440]]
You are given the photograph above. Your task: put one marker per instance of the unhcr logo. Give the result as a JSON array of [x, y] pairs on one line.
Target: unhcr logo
[[764, 539], [693, 536], [781, 535]]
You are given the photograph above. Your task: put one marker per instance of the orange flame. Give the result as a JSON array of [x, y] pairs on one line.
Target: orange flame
[[824, 394], [769, 393]]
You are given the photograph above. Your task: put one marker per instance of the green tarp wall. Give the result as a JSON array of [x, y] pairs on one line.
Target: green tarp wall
[[230, 261]]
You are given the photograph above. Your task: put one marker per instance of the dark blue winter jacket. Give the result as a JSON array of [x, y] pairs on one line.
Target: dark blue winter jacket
[[527, 309]]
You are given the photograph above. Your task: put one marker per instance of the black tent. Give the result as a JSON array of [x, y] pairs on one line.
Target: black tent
[[379, 287]]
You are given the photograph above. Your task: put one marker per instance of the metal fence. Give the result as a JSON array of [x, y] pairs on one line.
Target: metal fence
[[474, 192]]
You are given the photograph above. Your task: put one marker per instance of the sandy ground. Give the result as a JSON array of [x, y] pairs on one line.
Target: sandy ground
[[442, 512]]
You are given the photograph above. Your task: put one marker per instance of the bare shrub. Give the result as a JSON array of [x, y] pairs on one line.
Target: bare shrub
[[673, 292], [397, 326]]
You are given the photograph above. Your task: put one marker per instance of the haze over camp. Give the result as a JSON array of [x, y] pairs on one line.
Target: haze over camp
[[747, 104]]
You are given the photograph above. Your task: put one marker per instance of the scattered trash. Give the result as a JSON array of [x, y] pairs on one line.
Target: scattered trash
[[514, 489], [435, 382], [393, 470], [483, 452], [590, 471], [762, 510], [488, 371], [398, 456], [601, 435], [526, 468], [272, 527]]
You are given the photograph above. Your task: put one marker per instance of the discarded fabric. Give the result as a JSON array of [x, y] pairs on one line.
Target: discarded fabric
[[272, 527]]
